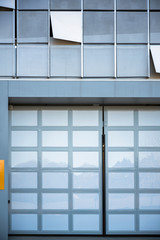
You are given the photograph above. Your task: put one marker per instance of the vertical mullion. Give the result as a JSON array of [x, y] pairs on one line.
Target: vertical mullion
[[82, 51], [115, 39], [103, 177], [148, 18], [49, 41]]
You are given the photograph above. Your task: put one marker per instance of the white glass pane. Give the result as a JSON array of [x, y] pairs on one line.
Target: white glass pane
[[86, 222], [149, 201], [85, 118], [149, 159], [121, 180], [24, 222], [24, 118], [120, 159], [149, 118], [54, 222], [54, 159], [150, 222], [54, 118], [120, 118], [149, 180], [55, 201], [23, 138], [24, 201], [54, 138], [121, 222], [85, 138], [55, 180], [86, 201], [85, 159], [86, 180], [120, 139], [149, 138], [24, 159], [121, 201], [24, 180]]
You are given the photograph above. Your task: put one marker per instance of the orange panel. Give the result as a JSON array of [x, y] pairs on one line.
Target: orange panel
[[1, 174]]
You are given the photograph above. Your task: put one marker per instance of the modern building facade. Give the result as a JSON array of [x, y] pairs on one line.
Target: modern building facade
[[80, 117]]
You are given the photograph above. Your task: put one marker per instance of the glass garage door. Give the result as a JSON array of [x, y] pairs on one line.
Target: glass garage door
[[132, 170], [55, 171]]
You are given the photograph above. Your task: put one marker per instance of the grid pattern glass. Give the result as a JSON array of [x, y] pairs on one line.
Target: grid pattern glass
[[55, 186]]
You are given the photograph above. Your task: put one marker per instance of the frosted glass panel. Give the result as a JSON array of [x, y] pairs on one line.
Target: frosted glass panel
[[85, 139], [54, 118], [55, 201], [149, 159], [135, 56], [149, 138], [24, 118], [121, 222], [24, 222], [86, 180], [154, 27], [150, 222], [99, 4], [98, 60], [32, 60], [120, 159], [86, 222], [121, 201], [149, 201], [120, 118], [120, 139], [149, 118], [66, 60], [54, 138], [85, 159], [23, 138], [54, 159], [55, 180], [33, 4], [149, 180], [6, 26], [95, 30], [24, 201], [121, 180], [24, 180], [85, 118], [132, 27], [24, 159], [66, 4], [32, 26], [86, 201], [55, 222]]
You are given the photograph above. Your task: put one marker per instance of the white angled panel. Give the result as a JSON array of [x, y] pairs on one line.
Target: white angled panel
[[7, 3], [67, 25], [155, 50]]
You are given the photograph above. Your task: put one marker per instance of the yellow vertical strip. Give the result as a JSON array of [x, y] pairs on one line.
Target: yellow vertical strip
[[1, 174]]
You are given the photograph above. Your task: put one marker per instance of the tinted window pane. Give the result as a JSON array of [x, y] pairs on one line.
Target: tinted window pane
[[66, 4], [66, 61], [132, 4], [32, 60], [55, 222], [24, 222], [99, 4], [121, 201], [135, 56], [6, 27], [86, 222], [132, 27], [121, 222], [150, 222], [98, 61], [154, 4], [121, 180], [98, 27], [7, 60], [33, 4], [32, 26], [154, 27]]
